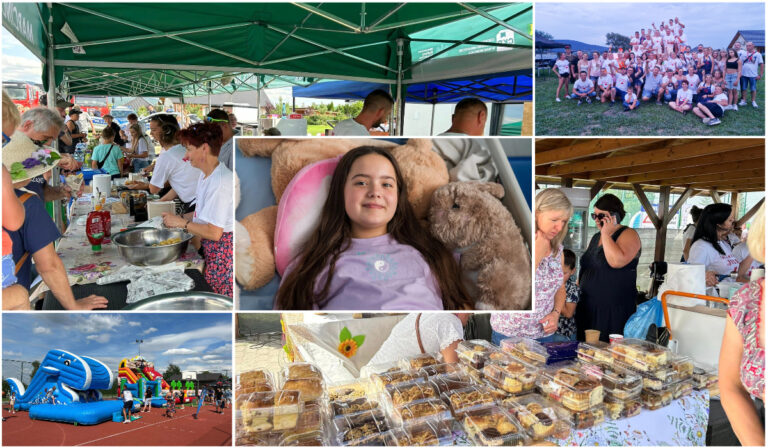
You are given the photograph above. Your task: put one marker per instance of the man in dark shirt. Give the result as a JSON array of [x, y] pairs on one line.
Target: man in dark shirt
[[109, 119]]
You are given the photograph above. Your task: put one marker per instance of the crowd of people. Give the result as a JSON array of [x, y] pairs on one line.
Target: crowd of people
[[661, 65]]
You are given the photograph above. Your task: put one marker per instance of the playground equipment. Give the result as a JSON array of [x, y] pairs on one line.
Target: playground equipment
[[187, 391], [136, 375], [66, 388]]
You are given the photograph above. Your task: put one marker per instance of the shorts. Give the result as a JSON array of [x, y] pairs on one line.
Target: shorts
[[564, 75], [591, 95], [9, 268], [147, 401], [670, 94], [732, 81], [128, 405], [715, 108], [620, 94], [649, 94], [626, 104], [748, 83]]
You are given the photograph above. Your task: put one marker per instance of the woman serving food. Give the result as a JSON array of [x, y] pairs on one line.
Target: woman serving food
[[212, 222]]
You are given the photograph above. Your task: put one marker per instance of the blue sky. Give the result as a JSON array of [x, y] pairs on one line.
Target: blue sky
[[712, 24], [192, 341]]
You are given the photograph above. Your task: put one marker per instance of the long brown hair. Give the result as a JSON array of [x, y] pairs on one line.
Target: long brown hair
[[332, 238]]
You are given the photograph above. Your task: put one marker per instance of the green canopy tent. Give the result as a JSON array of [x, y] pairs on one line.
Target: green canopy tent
[[161, 49]]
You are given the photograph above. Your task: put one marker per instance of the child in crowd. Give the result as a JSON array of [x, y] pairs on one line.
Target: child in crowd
[[631, 101], [566, 326], [170, 405]]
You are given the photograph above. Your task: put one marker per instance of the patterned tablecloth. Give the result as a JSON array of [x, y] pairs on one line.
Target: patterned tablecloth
[[682, 423], [83, 265]]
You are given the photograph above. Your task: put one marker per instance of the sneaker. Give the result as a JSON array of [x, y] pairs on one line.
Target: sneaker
[[742, 103], [626, 109], [754, 104], [126, 421], [589, 101], [558, 99], [714, 121], [578, 103], [734, 107], [705, 120]]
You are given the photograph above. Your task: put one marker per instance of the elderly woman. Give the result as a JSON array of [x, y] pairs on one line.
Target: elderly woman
[[742, 355], [212, 221], [553, 211], [608, 276], [141, 150], [710, 245]]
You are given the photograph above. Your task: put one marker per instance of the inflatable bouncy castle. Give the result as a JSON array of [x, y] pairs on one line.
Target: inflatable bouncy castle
[[137, 375], [67, 388]]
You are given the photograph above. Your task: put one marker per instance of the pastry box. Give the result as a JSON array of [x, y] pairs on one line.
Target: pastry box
[[493, 426], [567, 384], [538, 416], [467, 399], [421, 411], [640, 354]]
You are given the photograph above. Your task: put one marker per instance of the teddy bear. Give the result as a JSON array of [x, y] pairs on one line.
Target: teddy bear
[[422, 169], [469, 217]]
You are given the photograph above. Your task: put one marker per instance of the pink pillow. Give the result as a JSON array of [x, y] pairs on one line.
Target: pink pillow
[[298, 213]]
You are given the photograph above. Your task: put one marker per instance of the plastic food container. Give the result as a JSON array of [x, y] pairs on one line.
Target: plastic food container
[[467, 399], [512, 375], [617, 381], [311, 388], [353, 406], [473, 374], [448, 382], [704, 377], [439, 369], [493, 426], [475, 352], [350, 390], [266, 411], [571, 387], [682, 366], [430, 433], [419, 412], [363, 428], [300, 370], [618, 408], [316, 438], [682, 388], [538, 416], [382, 380], [656, 380], [402, 393], [656, 399], [311, 419], [641, 355], [583, 419], [419, 361], [525, 348], [597, 353]]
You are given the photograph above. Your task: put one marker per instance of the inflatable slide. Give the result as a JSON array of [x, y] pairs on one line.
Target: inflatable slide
[[137, 375]]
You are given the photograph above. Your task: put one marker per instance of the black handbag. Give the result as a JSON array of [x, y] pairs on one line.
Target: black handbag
[[101, 164]]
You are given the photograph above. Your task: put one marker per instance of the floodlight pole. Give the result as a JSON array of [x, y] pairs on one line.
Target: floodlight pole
[[258, 104], [139, 341], [400, 107], [55, 180]]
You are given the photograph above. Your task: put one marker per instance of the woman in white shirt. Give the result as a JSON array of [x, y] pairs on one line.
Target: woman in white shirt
[[141, 150], [688, 232], [562, 68], [212, 222], [709, 246]]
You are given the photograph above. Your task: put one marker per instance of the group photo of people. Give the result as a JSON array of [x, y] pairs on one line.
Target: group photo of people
[[646, 75]]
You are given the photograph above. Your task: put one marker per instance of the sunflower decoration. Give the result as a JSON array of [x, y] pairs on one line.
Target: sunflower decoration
[[349, 344]]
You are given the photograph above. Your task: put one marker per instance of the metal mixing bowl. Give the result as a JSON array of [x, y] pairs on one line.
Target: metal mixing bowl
[[135, 245], [190, 300]]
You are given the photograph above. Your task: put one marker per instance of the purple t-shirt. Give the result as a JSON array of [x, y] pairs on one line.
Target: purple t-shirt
[[381, 274]]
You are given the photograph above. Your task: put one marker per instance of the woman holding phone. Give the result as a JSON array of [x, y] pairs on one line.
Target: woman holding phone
[[608, 273]]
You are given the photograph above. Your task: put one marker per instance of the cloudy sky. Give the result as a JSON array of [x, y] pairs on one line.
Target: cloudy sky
[[712, 24], [192, 341]]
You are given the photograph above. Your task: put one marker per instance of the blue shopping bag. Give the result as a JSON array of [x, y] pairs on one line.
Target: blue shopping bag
[[649, 312]]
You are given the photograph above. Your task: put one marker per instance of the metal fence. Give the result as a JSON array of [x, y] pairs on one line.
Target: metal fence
[[21, 370]]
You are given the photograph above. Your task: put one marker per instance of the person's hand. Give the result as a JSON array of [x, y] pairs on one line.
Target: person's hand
[[68, 163], [609, 225], [91, 302], [171, 220], [549, 322], [711, 278]]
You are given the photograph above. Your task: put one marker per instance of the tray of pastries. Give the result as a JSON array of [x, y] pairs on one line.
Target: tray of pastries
[[511, 374], [430, 433], [682, 388], [474, 374], [311, 388], [617, 381], [596, 353], [622, 408], [682, 366], [525, 348], [655, 380], [403, 393], [301, 370], [705, 377], [254, 381], [439, 369], [311, 419], [395, 376], [316, 438], [463, 400], [640, 354], [538, 416], [567, 384], [417, 412], [362, 428], [265, 411], [493, 426], [657, 399], [475, 352], [353, 406], [583, 419], [418, 361], [451, 381]]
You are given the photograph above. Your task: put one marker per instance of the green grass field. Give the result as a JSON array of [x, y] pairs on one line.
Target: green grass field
[[565, 118], [315, 129]]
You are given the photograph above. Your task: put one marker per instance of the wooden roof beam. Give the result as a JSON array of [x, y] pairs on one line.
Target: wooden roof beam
[[579, 149], [646, 205], [677, 173], [712, 179]]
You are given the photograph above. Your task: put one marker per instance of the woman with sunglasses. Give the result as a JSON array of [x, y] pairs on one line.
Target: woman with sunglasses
[[212, 222], [608, 276], [710, 243]]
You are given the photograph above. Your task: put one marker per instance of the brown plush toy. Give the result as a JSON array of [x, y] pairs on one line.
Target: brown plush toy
[[423, 171], [470, 218]]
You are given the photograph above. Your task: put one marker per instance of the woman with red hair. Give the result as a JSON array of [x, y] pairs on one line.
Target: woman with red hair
[[212, 222]]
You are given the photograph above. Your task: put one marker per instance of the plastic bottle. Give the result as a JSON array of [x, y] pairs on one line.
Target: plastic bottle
[[94, 228], [107, 218]]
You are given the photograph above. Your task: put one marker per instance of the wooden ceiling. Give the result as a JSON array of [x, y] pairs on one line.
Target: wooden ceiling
[[725, 165]]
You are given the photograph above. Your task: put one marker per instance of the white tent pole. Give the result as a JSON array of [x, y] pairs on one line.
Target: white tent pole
[[432, 121], [258, 104], [400, 107], [55, 180]]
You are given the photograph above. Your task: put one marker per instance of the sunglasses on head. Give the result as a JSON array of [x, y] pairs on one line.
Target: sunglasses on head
[[215, 120]]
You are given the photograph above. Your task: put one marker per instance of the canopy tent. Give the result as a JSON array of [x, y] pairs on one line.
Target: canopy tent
[[147, 48]]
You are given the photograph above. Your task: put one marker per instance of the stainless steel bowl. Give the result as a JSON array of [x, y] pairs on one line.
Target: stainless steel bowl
[[135, 245], [191, 300]]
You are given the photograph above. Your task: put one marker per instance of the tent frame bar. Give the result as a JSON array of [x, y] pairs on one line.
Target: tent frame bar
[[319, 53], [328, 16], [384, 17], [279, 44], [482, 13], [471, 42]]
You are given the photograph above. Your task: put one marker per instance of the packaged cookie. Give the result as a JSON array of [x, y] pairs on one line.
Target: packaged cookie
[[467, 399], [474, 374], [493, 426], [682, 388], [475, 352], [403, 393], [254, 381], [439, 369], [654, 380], [316, 438], [538, 416], [301, 370], [452, 381], [421, 411], [349, 390], [264, 411], [622, 408], [527, 349], [582, 419], [657, 399], [511, 374], [353, 406], [568, 385], [311, 388], [360, 429], [640, 354], [390, 378], [418, 361], [430, 433], [596, 353], [704, 377], [617, 381], [682, 366]]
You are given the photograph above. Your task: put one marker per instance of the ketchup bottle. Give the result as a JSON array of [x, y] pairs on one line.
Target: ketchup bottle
[[94, 229], [107, 222]]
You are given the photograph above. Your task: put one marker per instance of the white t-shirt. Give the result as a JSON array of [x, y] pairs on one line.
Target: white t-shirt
[[127, 395], [693, 81], [669, 39], [688, 234], [215, 202], [702, 252], [719, 98], [143, 147], [686, 95], [438, 331], [635, 43], [583, 86], [630, 97], [682, 38], [605, 82], [350, 127], [622, 81], [750, 64], [669, 64], [563, 66], [170, 167], [741, 252]]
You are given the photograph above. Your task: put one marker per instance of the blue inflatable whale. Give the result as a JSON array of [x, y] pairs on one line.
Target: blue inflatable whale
[[66, 388]]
